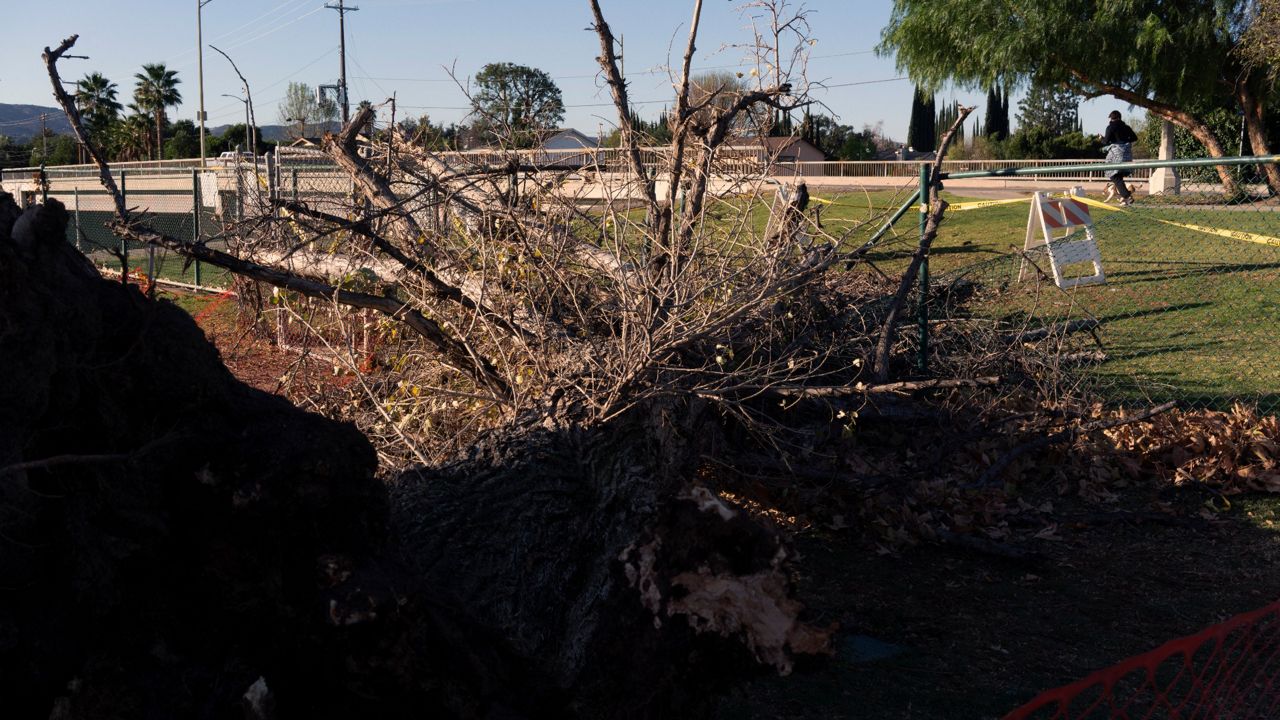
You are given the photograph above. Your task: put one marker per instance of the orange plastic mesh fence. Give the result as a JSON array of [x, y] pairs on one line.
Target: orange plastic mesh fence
[[1227, 671]]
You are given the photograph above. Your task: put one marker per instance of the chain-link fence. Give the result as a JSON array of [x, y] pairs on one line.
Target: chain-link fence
[[1174, 297], [179, 199]]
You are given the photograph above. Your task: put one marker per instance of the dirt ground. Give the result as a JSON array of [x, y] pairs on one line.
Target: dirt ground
[[941, 631], [977, 636]]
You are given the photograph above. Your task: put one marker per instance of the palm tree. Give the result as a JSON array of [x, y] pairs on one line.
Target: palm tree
[[132, 137], [368, 127], [96, 98], [156, 90]]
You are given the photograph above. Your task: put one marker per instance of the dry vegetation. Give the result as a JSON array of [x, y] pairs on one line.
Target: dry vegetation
[[620, 354]]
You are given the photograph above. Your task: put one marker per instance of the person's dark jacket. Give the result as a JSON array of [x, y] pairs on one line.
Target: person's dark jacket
[[1119, 132]]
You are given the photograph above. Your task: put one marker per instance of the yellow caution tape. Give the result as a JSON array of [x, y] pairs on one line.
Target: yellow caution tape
[[1097, 203], [978, 204], [818, 199], [1233, 234], [1221, 232]]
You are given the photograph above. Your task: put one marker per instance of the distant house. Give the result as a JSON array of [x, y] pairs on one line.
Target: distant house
[[559, 147], [780, 152], [568, 139], [778, 149], [566, 147]]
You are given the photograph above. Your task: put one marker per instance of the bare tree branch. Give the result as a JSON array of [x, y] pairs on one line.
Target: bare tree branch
[[938, 207]]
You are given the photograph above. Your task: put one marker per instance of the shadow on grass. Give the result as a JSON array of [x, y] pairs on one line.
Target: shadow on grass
[[1179, 270]]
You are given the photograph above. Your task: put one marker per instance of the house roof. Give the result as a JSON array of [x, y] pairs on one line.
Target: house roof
[[572, 135]]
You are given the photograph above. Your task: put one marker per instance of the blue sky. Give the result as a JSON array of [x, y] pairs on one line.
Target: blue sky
[[404, 46]]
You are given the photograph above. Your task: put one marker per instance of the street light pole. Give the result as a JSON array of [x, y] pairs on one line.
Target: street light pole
[[248, 144], [200, 69]]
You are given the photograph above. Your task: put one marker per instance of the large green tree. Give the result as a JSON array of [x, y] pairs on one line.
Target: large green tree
[[300, 109], [1157, 54], [183, 142], [512, 102], [155, 91], [96, 100], [131, 138], [1054, 109]]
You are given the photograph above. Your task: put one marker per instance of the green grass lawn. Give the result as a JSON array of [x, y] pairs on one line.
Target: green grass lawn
[[1185, 314]]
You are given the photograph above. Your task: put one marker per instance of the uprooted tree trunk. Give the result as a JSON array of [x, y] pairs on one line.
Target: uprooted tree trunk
[[578, 545]]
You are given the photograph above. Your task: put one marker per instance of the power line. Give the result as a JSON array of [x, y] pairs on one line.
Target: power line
[[864, 82], [273, 30], [651, 71], [226, 109]]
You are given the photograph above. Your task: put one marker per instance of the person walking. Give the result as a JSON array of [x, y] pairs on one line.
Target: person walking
[[1119, 139]]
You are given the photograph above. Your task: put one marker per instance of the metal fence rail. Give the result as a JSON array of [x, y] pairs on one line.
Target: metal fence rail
[[612, 160]]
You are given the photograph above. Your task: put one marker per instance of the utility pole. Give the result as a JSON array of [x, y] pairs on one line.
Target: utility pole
[[342, 55], [200, 69]]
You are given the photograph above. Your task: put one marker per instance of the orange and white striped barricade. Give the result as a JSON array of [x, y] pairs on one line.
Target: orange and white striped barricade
[[1064, 227]]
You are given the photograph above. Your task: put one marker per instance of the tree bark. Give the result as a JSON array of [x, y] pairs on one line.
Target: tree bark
[[1256, 127], [1198, 129], [880, 363], [595, 571]]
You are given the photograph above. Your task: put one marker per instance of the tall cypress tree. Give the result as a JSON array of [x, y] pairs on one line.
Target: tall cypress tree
[[1005, 129], [921, 133], [996, 126], [992, 111]]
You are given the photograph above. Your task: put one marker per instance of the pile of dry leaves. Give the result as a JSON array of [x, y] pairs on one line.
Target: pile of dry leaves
[[1230, 452]]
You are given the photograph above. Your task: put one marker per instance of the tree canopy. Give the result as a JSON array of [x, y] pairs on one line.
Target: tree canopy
[[514, 101], [996, 118], [1158, 54], [1260, 43], [1054, 109], [299, 109], [96, 98], [156, 90]]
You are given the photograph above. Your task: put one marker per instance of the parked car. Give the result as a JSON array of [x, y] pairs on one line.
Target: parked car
[[232, 158]]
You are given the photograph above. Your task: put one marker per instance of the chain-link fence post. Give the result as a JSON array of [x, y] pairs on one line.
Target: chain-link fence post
[[77, 201], [273, 167], [124, 244], [195, 218], [922, 362], [240, 187]]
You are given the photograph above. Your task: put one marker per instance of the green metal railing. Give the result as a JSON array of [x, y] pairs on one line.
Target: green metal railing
[[1135, 165]]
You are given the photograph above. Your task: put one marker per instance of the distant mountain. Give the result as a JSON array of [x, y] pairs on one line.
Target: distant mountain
[[271, 133], [22, 122]]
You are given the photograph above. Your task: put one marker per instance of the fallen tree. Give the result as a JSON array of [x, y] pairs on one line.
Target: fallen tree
[[572, 562]]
